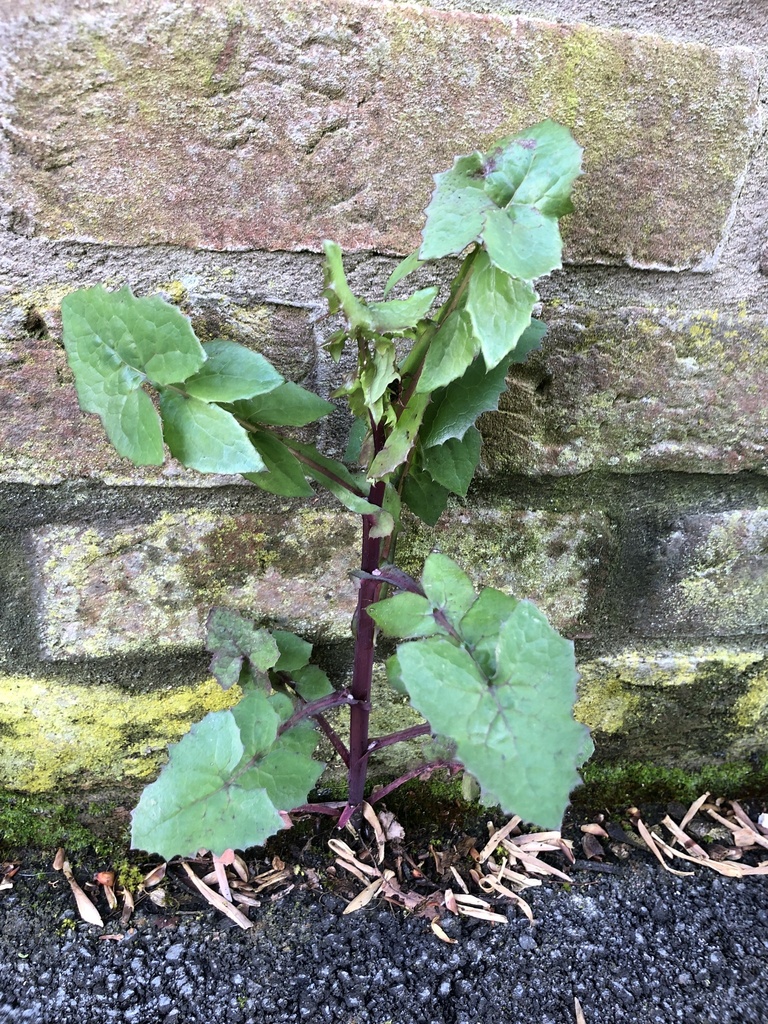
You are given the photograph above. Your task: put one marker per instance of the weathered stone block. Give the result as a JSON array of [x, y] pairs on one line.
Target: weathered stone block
[[708, 577], [148, 588], [64, 735], [637, 391], [45, 438], [276, 125], [678, 710]]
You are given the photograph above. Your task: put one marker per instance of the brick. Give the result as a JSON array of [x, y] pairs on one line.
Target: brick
[[294, 120], [148, 587], [46, 439], [549, 558], [634, 391], [681, 710], [707, 577], [64, 736]]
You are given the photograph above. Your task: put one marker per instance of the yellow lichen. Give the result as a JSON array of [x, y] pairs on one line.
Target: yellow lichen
[[66, 734]]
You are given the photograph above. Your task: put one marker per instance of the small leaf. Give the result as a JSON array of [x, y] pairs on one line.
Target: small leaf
[[454, 462], [403, 269], [426, 498], [232, 372], [206, 437], [288, 405], [232, 639], [405, 615], [294, 652], [499, 307], [398, 314], [337, 290], [448, 587], [288, 772], [457, 210], [450, 352], [284, 473], [311, 682]]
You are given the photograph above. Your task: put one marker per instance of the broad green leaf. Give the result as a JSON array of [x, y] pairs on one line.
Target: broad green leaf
[[455, 408], [206, 437], [454, 462], [399, 314], [523, 242], [288, 772], [398, 445], [231, 639], [357, 434], [284, 474], [339, 481], [232, 372], [282, 704], [499, 307], [258, 721], [447, 587], [195, 804], [311, 682], [394, 678], [515, 733], [405, 615], [115, 342], [536, 167], [450, 352], [403, 269], [289, 405], [378, 371], [426, 498], [294, 652], [456, 213], [481, 625]]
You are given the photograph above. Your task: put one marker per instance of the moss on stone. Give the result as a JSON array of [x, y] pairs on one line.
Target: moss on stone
[[70, 735]]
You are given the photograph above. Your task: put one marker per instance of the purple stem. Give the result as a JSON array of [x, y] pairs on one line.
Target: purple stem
[[329, 808], [338, 745], [423, 769], [403, 736], [317, 707]]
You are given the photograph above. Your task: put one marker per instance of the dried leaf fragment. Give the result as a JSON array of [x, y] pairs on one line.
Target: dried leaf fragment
[[364, 898], [433, 924], [85, 907]]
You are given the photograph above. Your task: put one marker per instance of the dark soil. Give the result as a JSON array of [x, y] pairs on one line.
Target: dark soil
[[633, 943]]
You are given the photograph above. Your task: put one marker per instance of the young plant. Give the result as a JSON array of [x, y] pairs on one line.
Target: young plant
[[494, 681]]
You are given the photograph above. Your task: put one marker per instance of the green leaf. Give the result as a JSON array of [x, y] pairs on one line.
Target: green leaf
[[398, 445], [454, 462], [455, 408], [232, 372], [426, 498], [403, 269], [289, 405], [357, 434], [232, 639], [311, 682], [523, 242], [398, 314], [206, 437], [515, 732], [537, 167], [447, 587], [339, 481], [195, 804], [379, 370], [450, 352], [499, 307], [284, 474], [337, 290], [288, 772], [456, 213], [405, 615], [114, 343], [294, 652], [257, 719]]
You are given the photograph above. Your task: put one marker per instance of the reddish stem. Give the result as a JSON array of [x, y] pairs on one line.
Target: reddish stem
[[424, 769]]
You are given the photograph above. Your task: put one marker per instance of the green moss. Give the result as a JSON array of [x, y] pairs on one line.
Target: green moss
[[42, 824], [615, 787]]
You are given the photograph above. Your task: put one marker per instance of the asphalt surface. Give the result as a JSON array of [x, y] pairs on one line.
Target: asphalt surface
[[638, 945]]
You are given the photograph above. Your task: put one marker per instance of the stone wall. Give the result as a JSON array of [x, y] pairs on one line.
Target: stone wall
[[204, 151]]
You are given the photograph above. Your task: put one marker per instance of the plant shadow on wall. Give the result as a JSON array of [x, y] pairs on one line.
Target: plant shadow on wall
[[494, 681]]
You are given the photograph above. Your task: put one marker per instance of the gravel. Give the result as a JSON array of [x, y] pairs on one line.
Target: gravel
[[637, 946]]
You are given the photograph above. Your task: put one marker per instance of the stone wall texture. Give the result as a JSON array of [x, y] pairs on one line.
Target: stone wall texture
[[204, 151]]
